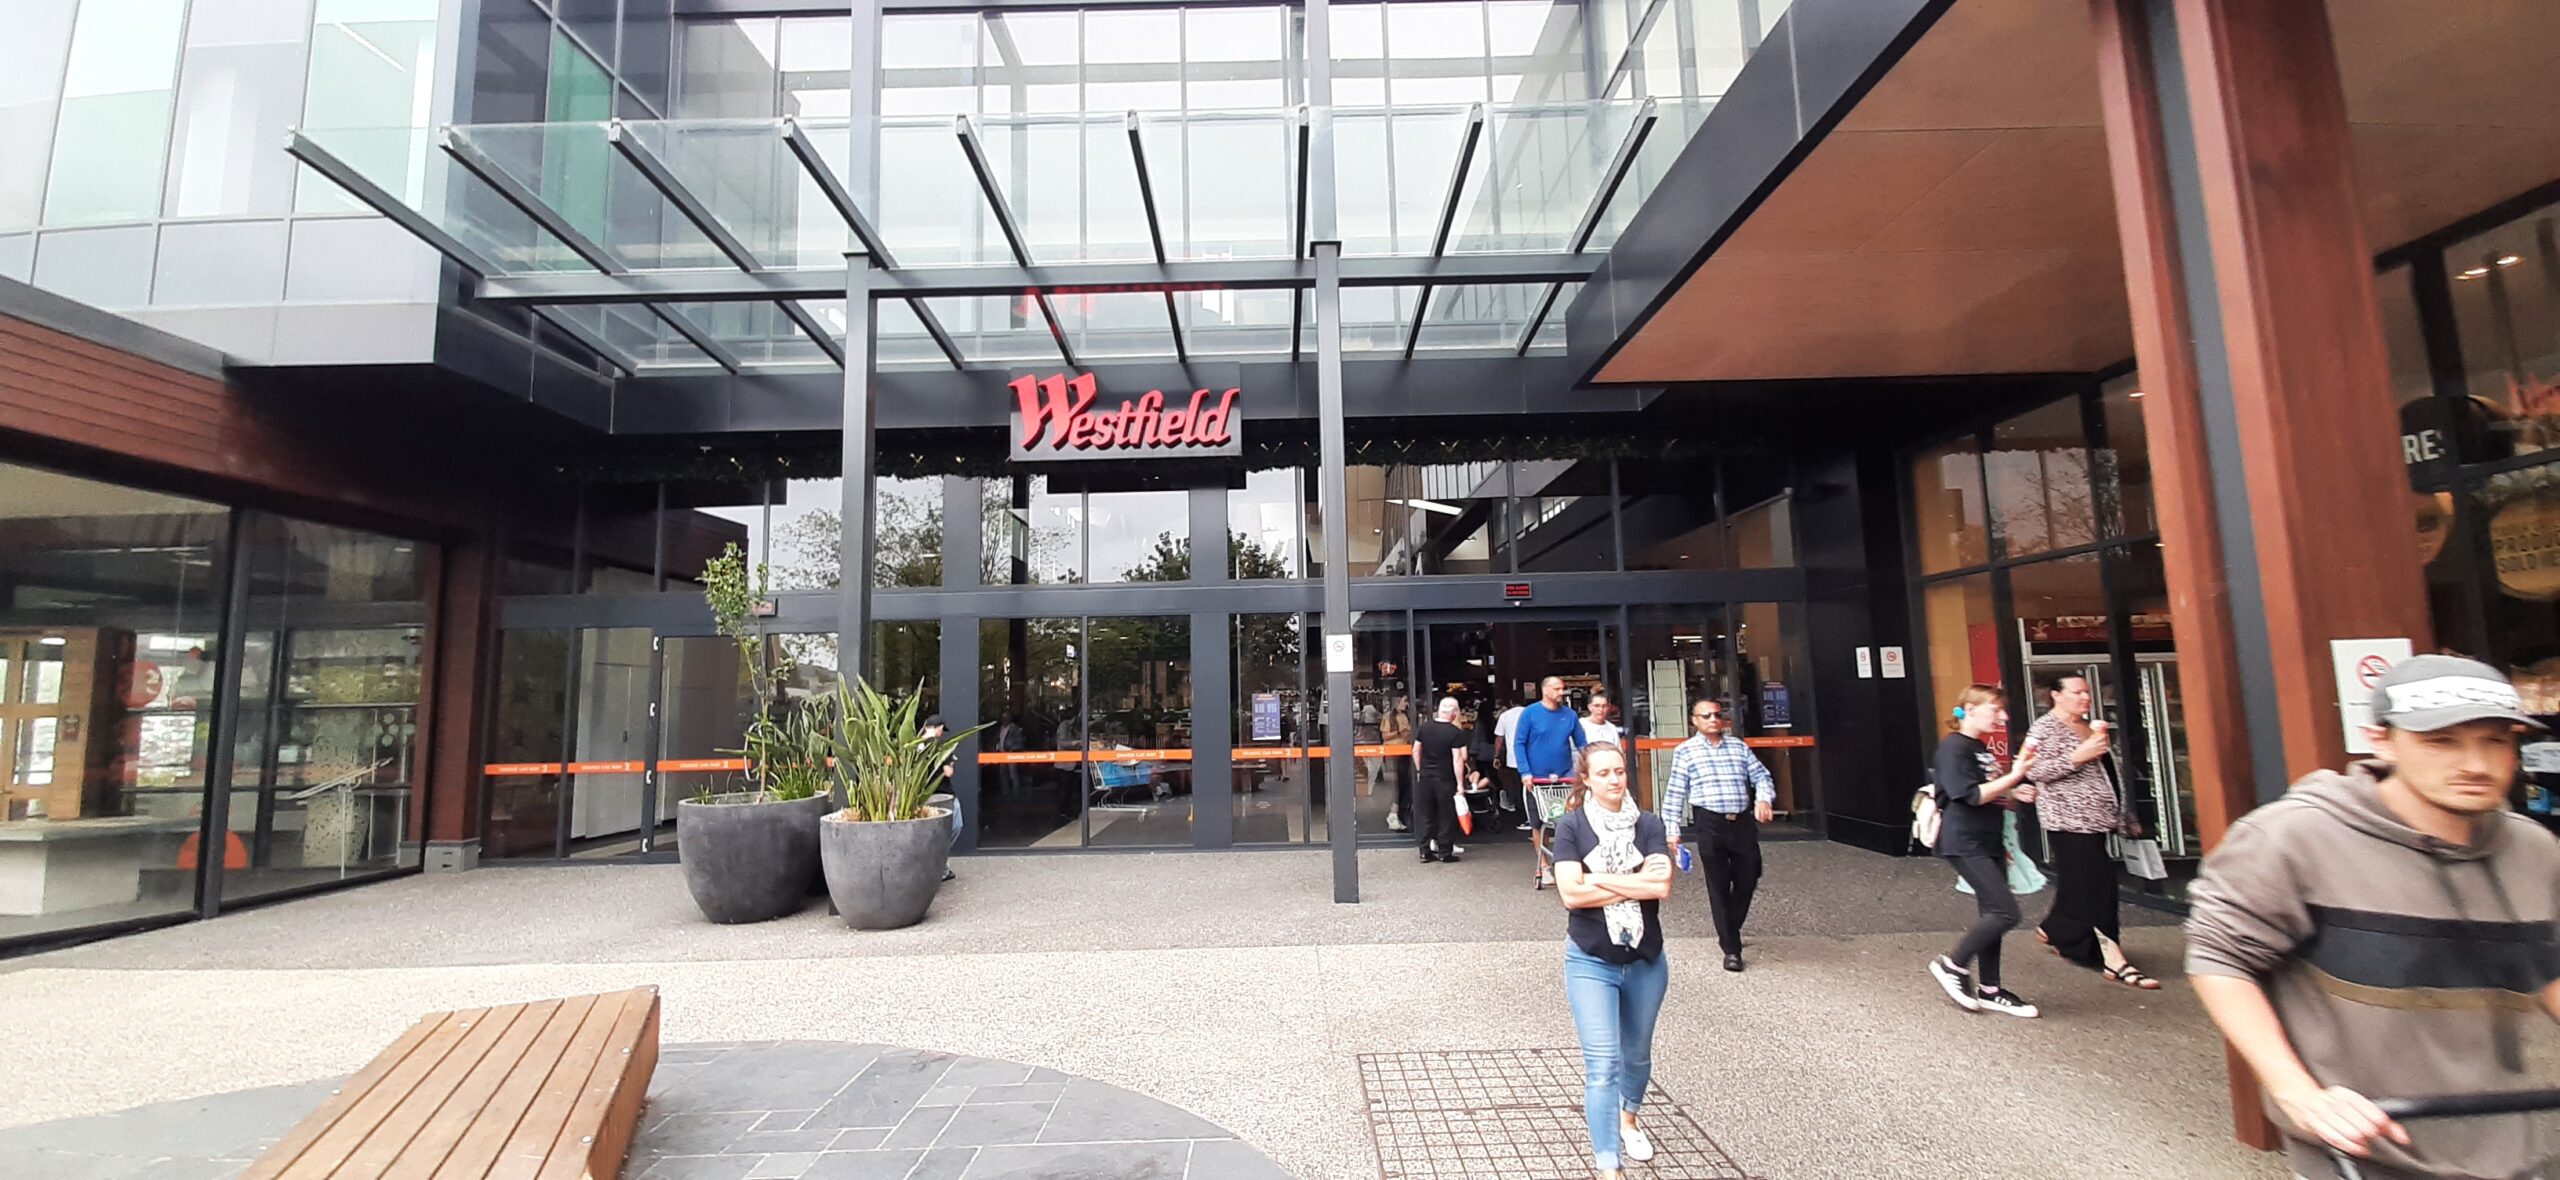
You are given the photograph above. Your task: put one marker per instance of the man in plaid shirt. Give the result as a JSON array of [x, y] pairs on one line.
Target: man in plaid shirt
[[1714, 781]]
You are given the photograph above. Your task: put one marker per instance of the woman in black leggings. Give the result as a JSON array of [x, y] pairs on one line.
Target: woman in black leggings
[[1974, 795]]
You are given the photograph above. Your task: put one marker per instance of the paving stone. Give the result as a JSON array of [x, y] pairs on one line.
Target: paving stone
[[882, 1093], [1231, 1159], [921, 1127], [1083, 1161], [863, 1165], [761, 1142], [861, 1139], [1089, 1111], [944, 1163], [783, 1120], [792, 1075], [1011, 1122], [695, 1134], [1027, 1092], [981, 1071], [702, 1167], [947, 1095], [783, 1166]]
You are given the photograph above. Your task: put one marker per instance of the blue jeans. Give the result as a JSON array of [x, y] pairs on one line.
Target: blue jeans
[[1614, 1007]]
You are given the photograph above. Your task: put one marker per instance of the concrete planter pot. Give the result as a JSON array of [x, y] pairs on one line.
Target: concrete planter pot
[[746, 861], [883, 876]]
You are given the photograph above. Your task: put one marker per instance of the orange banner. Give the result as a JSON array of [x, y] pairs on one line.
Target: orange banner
[[1786, 742], [510, 769], [696, 765], [614, 767]]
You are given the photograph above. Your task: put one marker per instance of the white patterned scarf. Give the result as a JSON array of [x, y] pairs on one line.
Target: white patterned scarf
[[1614, 851]]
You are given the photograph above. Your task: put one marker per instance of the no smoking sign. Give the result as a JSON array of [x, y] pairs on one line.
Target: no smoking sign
[[2359, 665]]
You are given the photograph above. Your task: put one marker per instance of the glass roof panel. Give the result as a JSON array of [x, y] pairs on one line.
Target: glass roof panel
[[754, 187], [901, 339], [1072, 186], [1482, 317], [1115, 326], [574, 169], [1392, 170], [1543, 165], [998, 329], [1253, 323], [1680, 118]]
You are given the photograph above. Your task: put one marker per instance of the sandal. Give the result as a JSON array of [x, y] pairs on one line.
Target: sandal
[[2048, 943], [2132, 976]]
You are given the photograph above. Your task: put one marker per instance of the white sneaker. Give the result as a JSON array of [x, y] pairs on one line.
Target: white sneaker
[[1633, 1144], [1395, 823], [1458, 850], [1957, 981]]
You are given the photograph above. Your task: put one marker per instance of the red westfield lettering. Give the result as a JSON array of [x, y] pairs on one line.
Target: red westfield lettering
[[1062, 408]]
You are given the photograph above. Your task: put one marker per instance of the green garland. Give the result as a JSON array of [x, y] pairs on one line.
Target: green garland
[[982, 454]]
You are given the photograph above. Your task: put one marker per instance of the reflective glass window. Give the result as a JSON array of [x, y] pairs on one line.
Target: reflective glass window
[[648, 29], [1138, 763], [108, 643], [1031, 680], [372, 86], [241, 80], [324, 784], [2039, 487], [1262, 525], [1963, 641], [2125, 506], [1033, 536], [108, 267], [815, 59], [112, 141], [2506, 309], [1139, 536], [1948, 519], [31, 61], [1272, 775], [1564, 511], [727, 70], [592, 23]]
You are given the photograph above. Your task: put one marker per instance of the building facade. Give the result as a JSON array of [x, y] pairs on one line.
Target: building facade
[[1788, 354]]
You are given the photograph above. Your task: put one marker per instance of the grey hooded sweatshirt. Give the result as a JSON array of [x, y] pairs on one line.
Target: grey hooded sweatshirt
[[2402, 966]]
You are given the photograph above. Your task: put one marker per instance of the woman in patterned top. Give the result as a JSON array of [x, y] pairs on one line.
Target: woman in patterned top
[[2076, 803]]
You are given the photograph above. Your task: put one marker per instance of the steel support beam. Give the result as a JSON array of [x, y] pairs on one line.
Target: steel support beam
[[663, 178], [861, 466], [1298, 233], [1324, 240], [817, 330], [1155, 231], [1610, 181], [373, 196], [1448, 218], [1265, 274], [1013, 239], [832, 187]]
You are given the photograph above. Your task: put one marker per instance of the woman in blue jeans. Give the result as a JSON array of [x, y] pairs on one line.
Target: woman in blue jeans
[[1613, 868]]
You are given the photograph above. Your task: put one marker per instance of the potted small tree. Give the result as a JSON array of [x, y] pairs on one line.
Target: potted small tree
[[884, 852], [749, 855]]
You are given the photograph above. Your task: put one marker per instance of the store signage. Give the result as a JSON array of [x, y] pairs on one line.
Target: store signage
[[1266, 717], [1057, 417], [1776, 709], [2358, 665], [1515, 591], [1890, 660], [1866, 664], [2524, 537]]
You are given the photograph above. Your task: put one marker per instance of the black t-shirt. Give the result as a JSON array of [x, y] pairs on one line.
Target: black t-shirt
[[1439, 741], [1969, 826], [1574, 840]]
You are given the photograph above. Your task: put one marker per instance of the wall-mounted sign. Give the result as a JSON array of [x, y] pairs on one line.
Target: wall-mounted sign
[[1777, 711], [1515, 591], [1058, 417], [1266, 717], [1891, 659], [1866, 664], [2359, 665], [2525, 538]]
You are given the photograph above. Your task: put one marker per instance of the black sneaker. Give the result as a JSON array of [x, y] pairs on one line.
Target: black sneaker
[[1431, 858], [1449, 858], [2004, 1001], [1957, 981]]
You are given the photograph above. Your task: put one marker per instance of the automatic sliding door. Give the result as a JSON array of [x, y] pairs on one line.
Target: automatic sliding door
[[1031, 680]]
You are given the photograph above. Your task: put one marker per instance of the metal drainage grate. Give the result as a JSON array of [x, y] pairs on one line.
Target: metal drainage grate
[[1512, 1114]]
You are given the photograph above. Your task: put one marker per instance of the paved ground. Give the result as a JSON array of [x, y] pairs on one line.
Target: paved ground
[[790, 1110], [1229, 986]]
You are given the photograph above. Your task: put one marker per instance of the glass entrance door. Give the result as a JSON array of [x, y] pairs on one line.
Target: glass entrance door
[[2157, 782]]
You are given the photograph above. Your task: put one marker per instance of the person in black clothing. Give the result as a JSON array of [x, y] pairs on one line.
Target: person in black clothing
[[1974, 795], [1440, 761], [933, 731]]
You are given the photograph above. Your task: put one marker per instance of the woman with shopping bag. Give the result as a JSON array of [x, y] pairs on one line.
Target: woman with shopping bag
[[2076, 803]]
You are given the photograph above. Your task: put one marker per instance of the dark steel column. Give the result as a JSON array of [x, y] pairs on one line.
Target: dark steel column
[[1324, 242], [212, 839], [861, 457]]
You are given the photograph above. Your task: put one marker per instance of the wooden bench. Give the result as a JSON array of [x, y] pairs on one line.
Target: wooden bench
[[537, 1091]]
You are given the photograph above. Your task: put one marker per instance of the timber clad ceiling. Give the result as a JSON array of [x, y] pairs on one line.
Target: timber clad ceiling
[[1960, 220]]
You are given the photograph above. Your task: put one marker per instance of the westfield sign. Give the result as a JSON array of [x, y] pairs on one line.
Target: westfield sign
[[1055, 417]]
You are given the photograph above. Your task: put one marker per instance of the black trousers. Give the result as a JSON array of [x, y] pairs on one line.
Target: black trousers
[[1730, 849], [1434, 816], [2084, 897], [1998, 910]]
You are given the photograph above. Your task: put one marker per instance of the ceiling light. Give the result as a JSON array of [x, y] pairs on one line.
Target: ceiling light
[[2474, 272], [2137, 393], [1427, 505], [2509, 259], [54, 641]]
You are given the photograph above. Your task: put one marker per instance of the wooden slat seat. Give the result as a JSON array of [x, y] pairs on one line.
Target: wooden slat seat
[[549, 1090]]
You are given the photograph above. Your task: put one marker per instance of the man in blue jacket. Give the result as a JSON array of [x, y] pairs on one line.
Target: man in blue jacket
[[1548, 733]]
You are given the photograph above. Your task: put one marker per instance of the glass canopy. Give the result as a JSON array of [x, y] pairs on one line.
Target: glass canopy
[[690, 245]]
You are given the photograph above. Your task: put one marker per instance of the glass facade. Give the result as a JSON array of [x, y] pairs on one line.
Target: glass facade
[[111, 650]]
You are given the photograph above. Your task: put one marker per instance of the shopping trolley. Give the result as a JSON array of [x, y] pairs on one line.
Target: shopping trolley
[[2456, 1107], [1546, 798]]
